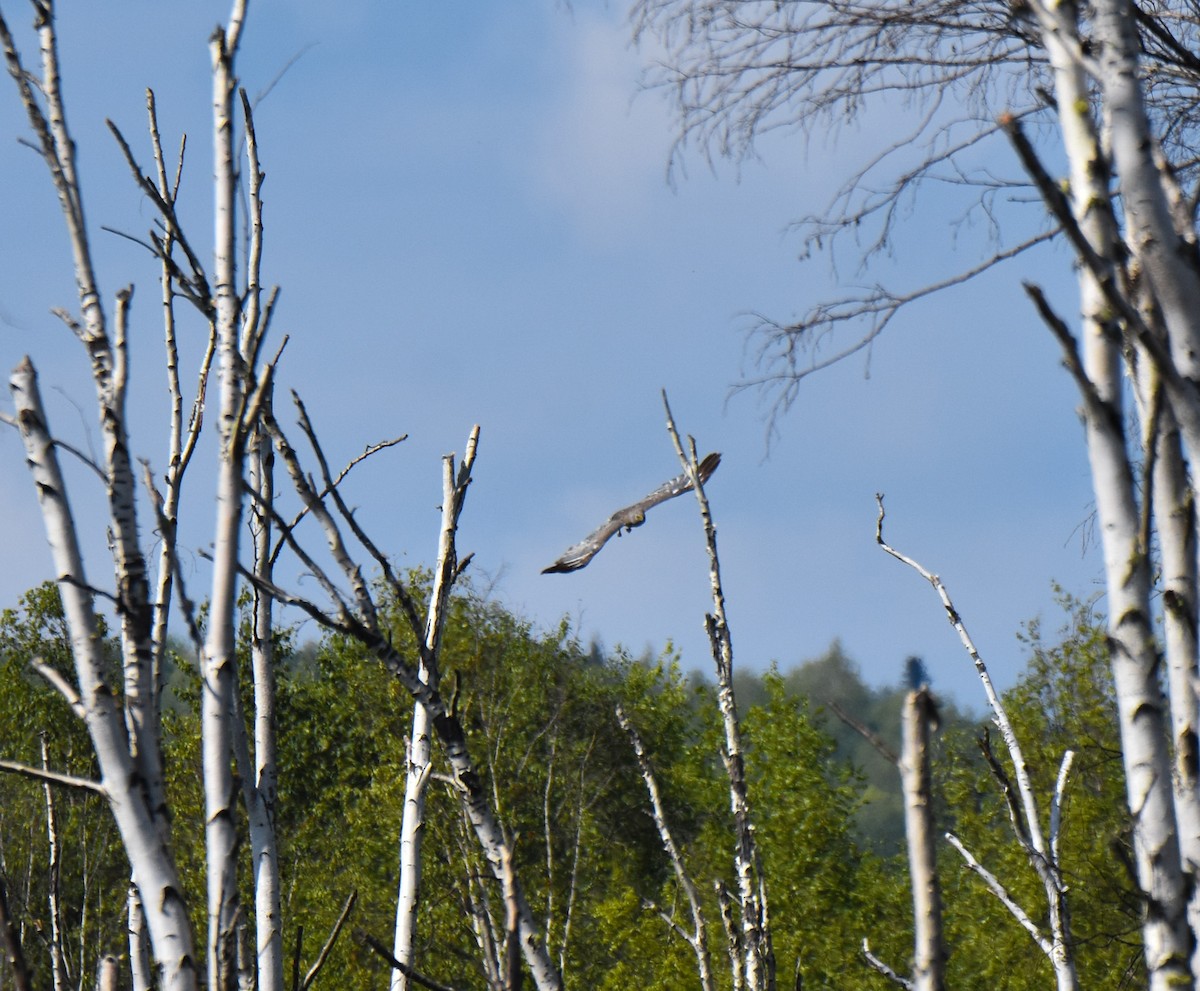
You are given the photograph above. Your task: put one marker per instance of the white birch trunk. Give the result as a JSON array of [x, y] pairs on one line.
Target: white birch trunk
[[149, 857], [261, 795], [474, 801], [1127, 564], [1161, 250], [141, 972], [929, 955], [412, 824], [108, 974], [698, 939], [219, 652], [1176, 288], [1152, 234], [412, 827], [752, 891], [109, 363], [1135, 660], [1174, 514]]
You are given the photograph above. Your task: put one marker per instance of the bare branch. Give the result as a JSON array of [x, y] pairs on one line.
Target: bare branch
[[1000, 716], [788, 351], [863, 730], [698, 938], [315, 969], [412, 975], [884, 969], [199, 290], [1001, 893], [1060, 788], [64, 688], [53, 777]]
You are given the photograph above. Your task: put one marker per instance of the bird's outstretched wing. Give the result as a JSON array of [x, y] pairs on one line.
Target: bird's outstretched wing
[[577, 557]]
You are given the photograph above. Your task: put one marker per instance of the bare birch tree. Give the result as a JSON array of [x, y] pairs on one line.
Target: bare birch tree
[[1025, 817], [1116, 83], [752, 937], [126, 735], [355, 612], [420, 747]]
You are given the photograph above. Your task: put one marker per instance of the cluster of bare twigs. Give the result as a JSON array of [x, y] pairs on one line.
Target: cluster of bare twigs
[[125, 724]]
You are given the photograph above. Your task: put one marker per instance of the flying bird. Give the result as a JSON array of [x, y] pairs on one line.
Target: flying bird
[[626, 519]]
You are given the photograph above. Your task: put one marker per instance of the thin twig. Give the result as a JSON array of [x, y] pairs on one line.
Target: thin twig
[[884, 969], [333, 936], [412, 975]]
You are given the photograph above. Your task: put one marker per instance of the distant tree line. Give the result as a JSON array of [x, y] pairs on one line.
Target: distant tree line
[[538, 708]]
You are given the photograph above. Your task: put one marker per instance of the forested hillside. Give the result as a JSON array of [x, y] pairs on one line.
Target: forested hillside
[[539, 712], [438, 793]]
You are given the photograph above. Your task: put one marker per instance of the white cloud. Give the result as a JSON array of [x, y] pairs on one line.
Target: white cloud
[[601, 154]]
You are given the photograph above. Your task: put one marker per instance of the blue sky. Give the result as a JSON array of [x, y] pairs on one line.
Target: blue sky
[[468, 213]]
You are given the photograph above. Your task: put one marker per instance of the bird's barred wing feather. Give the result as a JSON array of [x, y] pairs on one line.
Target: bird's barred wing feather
[[578, 556]]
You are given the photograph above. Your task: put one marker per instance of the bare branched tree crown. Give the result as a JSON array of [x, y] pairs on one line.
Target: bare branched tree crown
[[931, 77]]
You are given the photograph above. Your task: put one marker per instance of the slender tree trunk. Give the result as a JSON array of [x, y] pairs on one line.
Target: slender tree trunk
[[1140, 703], [1176, 288], [219, 662], [141, 972], [261, 795], [149, 857], [412, 827], [108, 974], [58, 963], [1132, 643], [1174, 512], [929, 952], [476, 808], [698, 939], [752, 889]]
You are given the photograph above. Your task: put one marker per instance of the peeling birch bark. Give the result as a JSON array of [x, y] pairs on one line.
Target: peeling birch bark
[[219, 658], [357, 616], [1098, 372], [260, 789]]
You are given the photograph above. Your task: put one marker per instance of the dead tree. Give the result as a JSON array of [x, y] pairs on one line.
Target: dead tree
[[748, 930], [1021, 801], [125, 734], [1116, 85]]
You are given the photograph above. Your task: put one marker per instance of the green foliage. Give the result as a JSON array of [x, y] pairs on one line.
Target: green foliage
[[538, 711], [94, 873], [821, 885], [832, 684], [1064, 700]]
